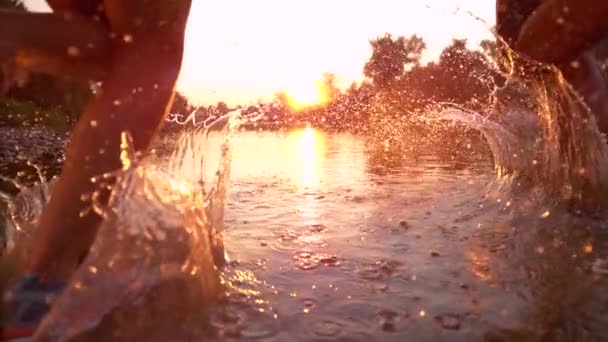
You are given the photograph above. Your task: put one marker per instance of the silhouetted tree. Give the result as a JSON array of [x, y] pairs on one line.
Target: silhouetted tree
[[330, 88], [390, 58]]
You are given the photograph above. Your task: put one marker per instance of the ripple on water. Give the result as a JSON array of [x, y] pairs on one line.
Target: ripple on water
[[262, 329], [388, 320], [317, 228], [379, 270], [243, 322], [324, 328], [327, 329], [306, 260], [227, 322], [448, 321], [285, 240]]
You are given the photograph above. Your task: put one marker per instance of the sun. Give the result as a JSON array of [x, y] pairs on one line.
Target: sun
[[307, 95]]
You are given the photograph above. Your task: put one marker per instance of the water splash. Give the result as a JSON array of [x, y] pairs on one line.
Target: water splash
[[540, 131], [157, 249]]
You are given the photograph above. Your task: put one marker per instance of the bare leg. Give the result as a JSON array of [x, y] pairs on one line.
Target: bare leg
[[134, 98], [585, 74], [57, 44], [560, 30]]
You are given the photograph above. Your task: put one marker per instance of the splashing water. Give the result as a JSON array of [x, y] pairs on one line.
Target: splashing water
[[540, 132], [158, 247]]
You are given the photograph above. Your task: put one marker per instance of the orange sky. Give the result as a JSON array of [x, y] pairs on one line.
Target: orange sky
[[241, 50]]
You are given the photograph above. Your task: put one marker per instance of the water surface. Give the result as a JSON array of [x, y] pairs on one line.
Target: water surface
[[329, 239]]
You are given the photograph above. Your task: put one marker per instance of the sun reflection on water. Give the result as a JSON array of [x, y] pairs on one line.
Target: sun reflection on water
[[297, 156], [308, 149]]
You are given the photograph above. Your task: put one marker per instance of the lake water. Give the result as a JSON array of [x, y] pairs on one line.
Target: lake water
[[333, 242], [333, 237]]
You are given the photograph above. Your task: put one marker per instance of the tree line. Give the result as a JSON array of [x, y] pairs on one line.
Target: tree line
[[396, 85], [394, 76]]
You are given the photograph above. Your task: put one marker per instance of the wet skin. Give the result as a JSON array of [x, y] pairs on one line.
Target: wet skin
[[135, 49]]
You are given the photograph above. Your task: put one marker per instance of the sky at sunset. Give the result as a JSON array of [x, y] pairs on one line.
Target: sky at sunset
[[239, 51]]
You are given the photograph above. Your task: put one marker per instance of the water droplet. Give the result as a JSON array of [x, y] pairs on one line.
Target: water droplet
[[422, 313], [309, 304], [73, 51], [93, 123], [127, 38]]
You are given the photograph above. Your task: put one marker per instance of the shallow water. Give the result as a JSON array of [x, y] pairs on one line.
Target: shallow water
[[332, 237], [329, 241]]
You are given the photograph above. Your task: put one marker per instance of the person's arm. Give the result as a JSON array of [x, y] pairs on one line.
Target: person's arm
[[559, 31]]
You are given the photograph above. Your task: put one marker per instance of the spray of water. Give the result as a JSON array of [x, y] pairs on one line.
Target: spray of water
[[158, 248], [540, 132]]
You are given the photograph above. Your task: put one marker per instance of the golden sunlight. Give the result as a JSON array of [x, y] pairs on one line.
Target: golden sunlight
[[307, 95], [311, 149]]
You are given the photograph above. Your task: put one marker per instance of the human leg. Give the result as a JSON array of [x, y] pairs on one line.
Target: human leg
[[559, 31], [134, 98]]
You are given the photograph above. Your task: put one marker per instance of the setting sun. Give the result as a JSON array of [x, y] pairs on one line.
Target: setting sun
[[307, 95], [238, 51]]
